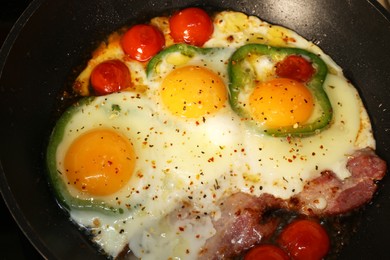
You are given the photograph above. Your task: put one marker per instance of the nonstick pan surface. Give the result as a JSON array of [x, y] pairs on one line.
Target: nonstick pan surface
[[50, 41]]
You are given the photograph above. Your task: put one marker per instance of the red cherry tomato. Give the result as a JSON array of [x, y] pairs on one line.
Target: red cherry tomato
[[192, 26], [295, 67], [141, 42], [110, 76], [305, 240], [266, 252]]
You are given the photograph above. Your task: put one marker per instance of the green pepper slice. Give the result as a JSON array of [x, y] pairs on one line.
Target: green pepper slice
[[242, 75], [186, 50], [58, 185]]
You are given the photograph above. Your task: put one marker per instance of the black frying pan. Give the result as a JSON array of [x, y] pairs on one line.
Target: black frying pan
[[52, 38]]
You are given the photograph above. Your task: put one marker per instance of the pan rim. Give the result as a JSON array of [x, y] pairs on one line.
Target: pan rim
[[5, 191]]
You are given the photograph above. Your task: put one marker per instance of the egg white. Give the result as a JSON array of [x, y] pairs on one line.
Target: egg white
[[191, 163], [171, 163]]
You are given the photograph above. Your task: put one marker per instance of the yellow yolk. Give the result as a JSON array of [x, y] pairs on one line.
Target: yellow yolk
[[100, 162], [193, 92], [281, 102]]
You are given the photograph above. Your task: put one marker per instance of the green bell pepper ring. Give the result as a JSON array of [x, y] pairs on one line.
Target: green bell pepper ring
[[186, 50], [243, 76], [63, 196]]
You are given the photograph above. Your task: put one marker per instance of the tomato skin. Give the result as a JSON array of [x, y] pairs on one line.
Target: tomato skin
[[110, 76], [266, 252], [192, 26], [295, 67], [142, 41], [305, 240]]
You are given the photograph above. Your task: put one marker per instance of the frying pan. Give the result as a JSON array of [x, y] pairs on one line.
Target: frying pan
[[52, 39]]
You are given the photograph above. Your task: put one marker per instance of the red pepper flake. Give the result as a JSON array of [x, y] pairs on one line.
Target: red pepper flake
[[96, 222], [211, 159], [181, 229], [230, 38]]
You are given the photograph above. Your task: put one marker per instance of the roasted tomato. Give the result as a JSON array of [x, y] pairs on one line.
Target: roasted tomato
[[267, 252], [295, 67], [141, 42], [110, 76], [192, 26], [305, 240]]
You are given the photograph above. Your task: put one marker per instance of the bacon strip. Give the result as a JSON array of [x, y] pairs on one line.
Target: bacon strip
[[328, 195], [241, 225]]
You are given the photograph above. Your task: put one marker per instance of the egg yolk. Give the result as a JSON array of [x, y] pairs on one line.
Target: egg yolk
[[281, 102], [100, 162], [193, 92]]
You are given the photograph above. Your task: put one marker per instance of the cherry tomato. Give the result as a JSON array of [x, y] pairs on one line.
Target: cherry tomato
[[305, 240], [266, 252], [110, 76], [141, 42], [295, 67], [192, 26]]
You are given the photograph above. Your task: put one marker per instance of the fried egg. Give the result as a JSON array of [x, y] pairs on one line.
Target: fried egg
[[173, 141]]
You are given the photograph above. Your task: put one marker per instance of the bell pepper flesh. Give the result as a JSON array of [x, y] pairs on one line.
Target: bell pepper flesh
[[63, 196], [242, 76], [186, 50]]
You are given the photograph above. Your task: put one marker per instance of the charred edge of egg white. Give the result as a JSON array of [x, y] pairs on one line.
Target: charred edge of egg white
[[63, 196]]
